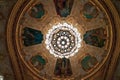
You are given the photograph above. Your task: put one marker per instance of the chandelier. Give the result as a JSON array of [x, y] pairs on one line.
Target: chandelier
[[63, 40]]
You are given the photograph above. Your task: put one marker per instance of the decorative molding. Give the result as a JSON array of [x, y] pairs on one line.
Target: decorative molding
[[12, 41]]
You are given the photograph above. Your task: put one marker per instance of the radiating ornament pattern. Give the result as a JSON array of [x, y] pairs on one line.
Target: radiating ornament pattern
[[63, 40]]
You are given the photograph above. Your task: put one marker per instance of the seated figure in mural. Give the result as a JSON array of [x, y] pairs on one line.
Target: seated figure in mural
[[63, 68], [37, 11], [63, 7], [95, 37], [88, 62], [38, 61], [89, 11], [32, 37]]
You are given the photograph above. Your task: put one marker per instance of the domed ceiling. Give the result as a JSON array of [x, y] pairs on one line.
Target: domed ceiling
[[63, 39]]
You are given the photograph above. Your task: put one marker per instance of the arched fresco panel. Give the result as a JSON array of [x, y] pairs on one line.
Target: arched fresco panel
[[89, 11], [63, 68], [88, 62], [95, 37], [32, 36], [37, 11], [38, 61], [63, 7]]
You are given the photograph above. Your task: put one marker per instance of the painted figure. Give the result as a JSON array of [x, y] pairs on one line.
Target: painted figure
[[37, 11], [32, 36], [63, 7], [89, 11], [38, 61], [88, 62], [63, 68], [95, 37]]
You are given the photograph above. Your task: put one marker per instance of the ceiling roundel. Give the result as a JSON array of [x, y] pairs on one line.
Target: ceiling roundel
[[63, 39]]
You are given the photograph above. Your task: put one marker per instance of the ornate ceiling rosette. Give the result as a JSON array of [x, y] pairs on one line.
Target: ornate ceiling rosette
[[63, 40], [60, 39]]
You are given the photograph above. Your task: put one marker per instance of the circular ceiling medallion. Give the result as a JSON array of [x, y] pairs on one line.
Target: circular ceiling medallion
[[55, 42], [63, 40]]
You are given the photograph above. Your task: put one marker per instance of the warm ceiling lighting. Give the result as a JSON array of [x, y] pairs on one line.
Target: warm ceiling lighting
[[63, 40]]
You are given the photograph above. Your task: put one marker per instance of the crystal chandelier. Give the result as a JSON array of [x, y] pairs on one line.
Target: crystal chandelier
[[63, 40]]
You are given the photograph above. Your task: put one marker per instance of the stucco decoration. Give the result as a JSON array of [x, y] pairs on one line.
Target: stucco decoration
[[79, 42]]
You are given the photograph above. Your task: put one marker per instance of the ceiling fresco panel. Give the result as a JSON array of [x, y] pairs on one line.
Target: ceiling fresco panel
[[55, 42]]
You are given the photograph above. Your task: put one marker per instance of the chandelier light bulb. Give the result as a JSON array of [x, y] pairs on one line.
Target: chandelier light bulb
[[63, 40]]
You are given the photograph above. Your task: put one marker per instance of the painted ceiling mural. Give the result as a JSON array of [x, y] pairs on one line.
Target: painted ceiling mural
[[63, 39]]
